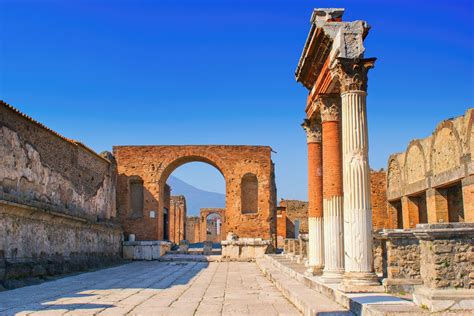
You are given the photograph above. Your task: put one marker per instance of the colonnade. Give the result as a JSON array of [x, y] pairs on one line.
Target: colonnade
[[340, 212]]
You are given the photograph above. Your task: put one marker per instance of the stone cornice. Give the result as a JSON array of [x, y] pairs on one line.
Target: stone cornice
[[313, 130], [329, 38]]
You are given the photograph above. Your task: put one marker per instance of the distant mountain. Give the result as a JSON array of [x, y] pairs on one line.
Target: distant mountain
[[195, 198]]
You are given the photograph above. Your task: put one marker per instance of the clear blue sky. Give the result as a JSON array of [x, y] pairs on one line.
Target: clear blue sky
[[222, 72]]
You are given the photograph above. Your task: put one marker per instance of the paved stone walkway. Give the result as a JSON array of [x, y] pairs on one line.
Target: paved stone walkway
[[154, 288]]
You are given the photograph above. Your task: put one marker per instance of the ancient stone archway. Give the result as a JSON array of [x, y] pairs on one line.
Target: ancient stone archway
[[205, 212], [152, 165]]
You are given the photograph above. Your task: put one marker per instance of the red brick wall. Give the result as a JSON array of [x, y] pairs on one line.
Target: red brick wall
[[153, 165], [380, 214]]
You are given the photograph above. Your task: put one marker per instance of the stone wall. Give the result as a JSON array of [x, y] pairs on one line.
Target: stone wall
[[57, 201], [448, 263], [153, 165], [295, 211], [378, 185], [433, 179], [193, 229]]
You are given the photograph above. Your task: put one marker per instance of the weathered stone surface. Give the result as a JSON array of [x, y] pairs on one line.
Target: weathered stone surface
[[145, 250], [57, 203], [244, 249], [433, 174], [153, 164], [155, 288]]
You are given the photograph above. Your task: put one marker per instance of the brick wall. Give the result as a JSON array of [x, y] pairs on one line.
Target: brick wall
[[378, 184], [154, 164]]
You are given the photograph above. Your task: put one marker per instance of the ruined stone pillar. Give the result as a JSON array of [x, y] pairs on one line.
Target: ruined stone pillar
[[315, 197], [359, 265], [332, 189], [437, 205], [468, 198]]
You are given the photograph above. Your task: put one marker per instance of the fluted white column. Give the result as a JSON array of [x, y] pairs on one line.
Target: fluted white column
[[357, 204], [334, 240]]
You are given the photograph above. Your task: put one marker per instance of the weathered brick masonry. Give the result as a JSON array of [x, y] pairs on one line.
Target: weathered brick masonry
[[57, 202], [248, 167]]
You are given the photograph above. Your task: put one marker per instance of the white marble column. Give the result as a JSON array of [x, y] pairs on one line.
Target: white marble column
[[358, 241]]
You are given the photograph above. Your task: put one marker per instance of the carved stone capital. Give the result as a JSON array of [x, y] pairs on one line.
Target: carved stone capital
[[313, 130], [352, 73], [330, 107]]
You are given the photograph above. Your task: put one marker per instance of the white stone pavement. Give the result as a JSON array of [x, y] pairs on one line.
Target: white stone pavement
[[154, 288]]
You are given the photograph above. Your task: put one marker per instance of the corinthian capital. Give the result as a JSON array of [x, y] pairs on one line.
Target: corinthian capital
[[352, 73], [313, 130], [330, 107]]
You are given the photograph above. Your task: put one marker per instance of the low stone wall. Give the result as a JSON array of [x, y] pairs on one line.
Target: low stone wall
[[380, 254], [145, 250], [245, 249], [446, 266], [403, 261], [39, 243]]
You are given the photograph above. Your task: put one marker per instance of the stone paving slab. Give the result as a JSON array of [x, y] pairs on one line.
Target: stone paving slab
[[154, 288]]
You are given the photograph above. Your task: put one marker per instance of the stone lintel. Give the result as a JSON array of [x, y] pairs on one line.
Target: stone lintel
[[444, 231], [398, 233]]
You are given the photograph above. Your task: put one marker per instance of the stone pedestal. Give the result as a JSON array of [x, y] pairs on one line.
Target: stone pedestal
[[207, 248], [403, 261], [447, 260], [244, 249], [145, 250], [183, 246]]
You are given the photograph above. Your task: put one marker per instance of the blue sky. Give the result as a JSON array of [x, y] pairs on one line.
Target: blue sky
[[222, 72]]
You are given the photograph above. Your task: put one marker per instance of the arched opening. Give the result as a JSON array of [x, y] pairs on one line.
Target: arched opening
[[214, 228], [194, 185], [249, 194]]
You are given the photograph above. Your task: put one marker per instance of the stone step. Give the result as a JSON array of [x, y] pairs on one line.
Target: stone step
[[169, 257], [308, 301], [373, 304]]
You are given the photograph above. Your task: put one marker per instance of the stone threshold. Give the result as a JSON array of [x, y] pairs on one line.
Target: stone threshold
[[358, 303]]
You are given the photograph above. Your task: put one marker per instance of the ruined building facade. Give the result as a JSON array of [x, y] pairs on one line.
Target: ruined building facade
[[57, 201], [433, 180]]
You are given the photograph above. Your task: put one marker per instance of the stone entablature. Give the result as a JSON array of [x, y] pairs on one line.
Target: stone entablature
[[444, 157]]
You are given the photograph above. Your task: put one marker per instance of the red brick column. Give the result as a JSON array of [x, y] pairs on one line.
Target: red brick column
[[332, 188], [315, 197]]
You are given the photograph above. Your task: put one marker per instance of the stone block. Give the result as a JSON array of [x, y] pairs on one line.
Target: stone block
[[207, 249]]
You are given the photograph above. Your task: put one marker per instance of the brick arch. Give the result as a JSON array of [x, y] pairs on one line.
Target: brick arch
[[446, 148], [205, 212], [154, 164], [415, 162]]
